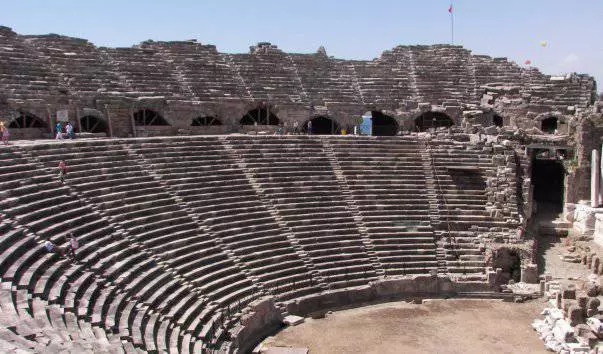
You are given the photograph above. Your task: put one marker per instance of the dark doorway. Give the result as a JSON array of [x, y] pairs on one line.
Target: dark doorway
[[547, 179], [260, 116], [322, 126], [384, 125], [92, 124], [497, 120], [549, 125], [429, 120]]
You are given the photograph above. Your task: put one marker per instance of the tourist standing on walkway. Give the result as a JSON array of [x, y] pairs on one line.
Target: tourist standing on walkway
[[309, 127], [59, 129], [295, 128], [5, 133], [62, 171], [69, 130]]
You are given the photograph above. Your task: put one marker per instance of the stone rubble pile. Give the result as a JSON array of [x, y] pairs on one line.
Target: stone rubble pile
[[573, 323]]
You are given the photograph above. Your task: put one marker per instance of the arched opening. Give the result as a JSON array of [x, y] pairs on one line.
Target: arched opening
[[260, 116], [92, 124], [384, 125], [27, 120], [497, 120], [321, 126], [549, 125], [429, 120], [205, 121], [149, 117]]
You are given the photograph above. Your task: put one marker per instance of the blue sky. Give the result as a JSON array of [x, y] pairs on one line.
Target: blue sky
[[350, 29]]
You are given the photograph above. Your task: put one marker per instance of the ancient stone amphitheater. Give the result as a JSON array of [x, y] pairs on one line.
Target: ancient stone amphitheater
[[200, 243]]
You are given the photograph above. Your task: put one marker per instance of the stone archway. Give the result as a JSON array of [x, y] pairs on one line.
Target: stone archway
[[260, 116], [383, 125], [430, 120], [93, 124], [322, 126], [146, 117], [27, 120]]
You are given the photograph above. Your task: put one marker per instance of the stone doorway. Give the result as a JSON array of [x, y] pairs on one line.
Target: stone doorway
[[548, 178], [322, 126], [384, 125]]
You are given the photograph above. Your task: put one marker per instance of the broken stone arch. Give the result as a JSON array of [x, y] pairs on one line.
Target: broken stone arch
[[26, 120], [322, 125], [261, 115], [431, 119], [148, 117]]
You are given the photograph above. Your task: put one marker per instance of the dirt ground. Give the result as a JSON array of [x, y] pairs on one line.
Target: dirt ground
[[436, 326]]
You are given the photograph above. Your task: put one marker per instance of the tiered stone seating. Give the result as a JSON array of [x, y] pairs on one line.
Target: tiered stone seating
[[388, 184], [108, 274], [326, 80], [560, 92], [146, 71], [212, 185], [442, 73], [296, 176], [269, 75], [78, 62], [29, 324], [495, 70], [201, 68], [24, 74], [179, 235], [461, 171], [149, 218], [386, 79]]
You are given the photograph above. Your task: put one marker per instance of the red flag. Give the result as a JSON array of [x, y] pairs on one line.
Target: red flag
[[450, 8], [528, 62]]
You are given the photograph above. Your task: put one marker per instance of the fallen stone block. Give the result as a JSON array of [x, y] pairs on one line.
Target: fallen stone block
[[293, 320]]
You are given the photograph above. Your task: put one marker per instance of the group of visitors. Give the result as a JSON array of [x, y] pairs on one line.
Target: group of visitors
[[64, 131], [4, 132], [69, 251]]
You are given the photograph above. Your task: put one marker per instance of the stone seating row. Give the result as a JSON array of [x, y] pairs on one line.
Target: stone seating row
[[78, 62], [388, 186], [230, 211], [288, 179], [269, 76], [214, 287]]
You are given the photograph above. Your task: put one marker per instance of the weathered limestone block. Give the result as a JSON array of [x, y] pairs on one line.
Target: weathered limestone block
[[569, 292], [592, 290], [575, 315], [529, 274]]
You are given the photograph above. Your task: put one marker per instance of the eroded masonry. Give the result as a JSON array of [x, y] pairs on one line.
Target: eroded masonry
[[192, 242]]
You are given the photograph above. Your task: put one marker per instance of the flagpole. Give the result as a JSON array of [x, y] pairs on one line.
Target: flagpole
[[451, 23]]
